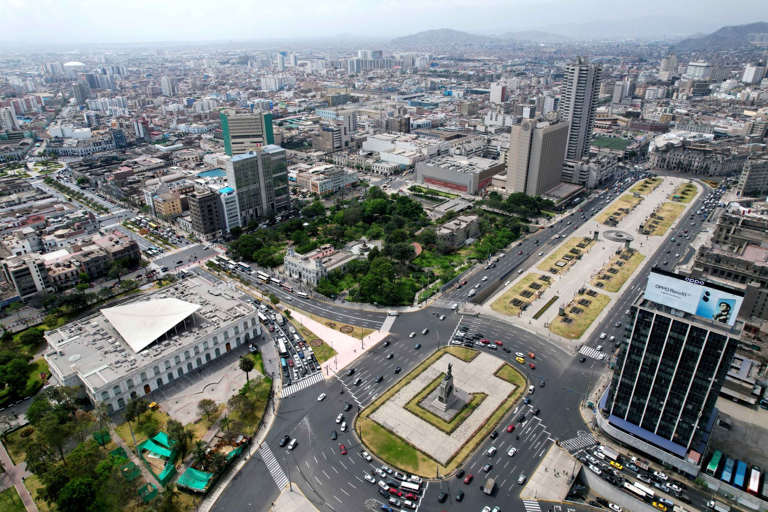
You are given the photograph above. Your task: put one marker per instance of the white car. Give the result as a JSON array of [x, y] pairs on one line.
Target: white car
[[614, 507], [381, 473], [602, 335], [662, 476], [370, 478], [409, 504], [292, 444], [512, 452], [507, 283], [412, 335], [596, 470], [343, 426], [366, 456], [599, 348], [339, 418], [521, 480], [485, 278], [519, 354], [415, 479], [387, 469], [383, 485], [321, 397], [541, 254]]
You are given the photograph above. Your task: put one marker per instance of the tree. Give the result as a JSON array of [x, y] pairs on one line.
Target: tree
[[287, 313], [135, 408], [32, 337], [225, 422], [200, 453], [82, 287], [15, 307], [169, 502], [274, 298], [15, 375], [207, 407], [240, 403], [75, 494], [181, 435], [53, 434], [236, 231], [83, 277], [247, 365]]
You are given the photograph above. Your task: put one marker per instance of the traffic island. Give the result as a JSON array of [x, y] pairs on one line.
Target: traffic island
[[684, 193], [619, 209], [618, 269], [646, 186], [662, 219], [522, 294], [566, 255], [401, 429], [578, 315]]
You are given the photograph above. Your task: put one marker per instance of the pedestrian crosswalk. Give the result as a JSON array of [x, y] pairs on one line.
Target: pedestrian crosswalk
[[531, 506], [578, 443], [448, 303], [591, 352], [293, 388], [278, 475]]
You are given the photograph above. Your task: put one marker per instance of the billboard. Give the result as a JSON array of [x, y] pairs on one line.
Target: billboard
[[707, 300]]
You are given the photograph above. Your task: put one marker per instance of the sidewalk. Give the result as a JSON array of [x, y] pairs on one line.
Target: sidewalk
[[292, 501], [132, 456], [14, 476]]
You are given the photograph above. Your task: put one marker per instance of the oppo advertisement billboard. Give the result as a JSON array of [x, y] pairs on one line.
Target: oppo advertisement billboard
[[700, 298]]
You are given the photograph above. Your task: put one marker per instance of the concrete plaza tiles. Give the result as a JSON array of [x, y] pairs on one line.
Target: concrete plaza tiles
[[473, 377]]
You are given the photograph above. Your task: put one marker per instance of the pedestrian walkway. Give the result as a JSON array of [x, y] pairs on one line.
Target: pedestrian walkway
[[292, 500], [14, 476], [293, 388], [591, 352], [578, 443], [531, 506], [278, 475], [448, 303]]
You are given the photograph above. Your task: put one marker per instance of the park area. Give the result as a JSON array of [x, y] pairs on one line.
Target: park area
[[662, 219], [616, 211], [646, 186], [618, 269], [568, 253], [522, 294], [579, 314], [323, 351], [684, 193]]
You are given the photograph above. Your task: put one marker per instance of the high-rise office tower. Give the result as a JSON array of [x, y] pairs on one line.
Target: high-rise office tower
[[578, 104], [753, 74], [536, 155], [260, 181], [679, 343], [81, 92], [8, 119], [668, 67], [169, 86], [205, 214], [280, 61], [294, 60], [245, 131], [498, 93]]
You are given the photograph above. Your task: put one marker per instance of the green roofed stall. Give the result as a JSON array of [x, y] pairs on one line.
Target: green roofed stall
[[195, 480], [148, 492], [159, 455]]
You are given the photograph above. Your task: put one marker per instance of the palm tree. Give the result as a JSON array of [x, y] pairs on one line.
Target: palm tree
[[225, 422], [200, 452], [170, 502], [246, 365]]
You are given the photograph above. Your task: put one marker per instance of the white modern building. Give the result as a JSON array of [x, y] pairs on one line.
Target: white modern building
[[578, 105]]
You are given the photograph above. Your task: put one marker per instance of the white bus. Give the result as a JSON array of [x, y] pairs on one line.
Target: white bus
[[634, 490], [287, 287], [242, 267], [410, 486], [263, 318], [281, 348], [647, 490], [274, 280], [302, 295], [261, 276]]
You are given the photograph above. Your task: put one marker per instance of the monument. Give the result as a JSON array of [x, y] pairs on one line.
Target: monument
[[446, 393]]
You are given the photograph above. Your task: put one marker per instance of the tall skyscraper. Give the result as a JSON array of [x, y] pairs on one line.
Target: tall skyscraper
[[280, 61], [536, 155], [245, 131], [677, 351], [81, 92], [260, 181], [753, 74], [169, 86], [205, 214], [8, 119], [294, 60], [668, 67], [578, 104]]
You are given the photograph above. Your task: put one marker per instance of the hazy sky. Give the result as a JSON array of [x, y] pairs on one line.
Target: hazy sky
[[111, 21]]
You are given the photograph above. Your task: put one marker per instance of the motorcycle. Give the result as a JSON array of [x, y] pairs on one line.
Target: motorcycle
[[342, 392]]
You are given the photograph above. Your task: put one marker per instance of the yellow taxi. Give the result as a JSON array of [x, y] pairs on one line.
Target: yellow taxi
[[520, 360], [616, 465], [660, 506]]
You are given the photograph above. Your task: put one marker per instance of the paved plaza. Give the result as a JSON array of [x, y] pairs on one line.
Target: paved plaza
[[568, 284], [474, 377]]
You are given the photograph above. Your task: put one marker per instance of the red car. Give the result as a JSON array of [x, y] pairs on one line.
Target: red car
[[463, 282], [484, 342], [412, 497], [521, 252], [581, 209], [533, 366], [468, 478], [531, 355], [397, 492], [498, 342], [575, 227], [343, 449], [290, 362], [510, 428]]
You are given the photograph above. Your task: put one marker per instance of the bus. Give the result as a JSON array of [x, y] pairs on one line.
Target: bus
[[647, 490], [287, 287], [727, 475], [281, 348], [302, 295], [261, 276], [410, 486], [282, 363], [740, 476], [631, 489], [764, 400], [754, 482], [274, 280], [242, 267], [714, 463], [263, 318]]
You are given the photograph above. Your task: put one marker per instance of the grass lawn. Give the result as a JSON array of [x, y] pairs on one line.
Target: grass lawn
[[686, 191], [670, 212], [431, 259], [10, 501], [618, 279], [200, 427], [14, 445], [562, 251], [32, 483], [357, 332], [582, 321], [626, 201], [646, 186], [511, 375], [258, 391], [431, 191], [398, 453], [125, 433], [504, 303], [324, 352], [258, 362], [414, 407]]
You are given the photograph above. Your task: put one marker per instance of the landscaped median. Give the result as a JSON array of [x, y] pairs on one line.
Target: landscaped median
[[684, 193], [646, 186], [579, 314], [619, 209], [662, 219], [322, 350], [619, 268], [401, 454], [566, 255], [522, 294]]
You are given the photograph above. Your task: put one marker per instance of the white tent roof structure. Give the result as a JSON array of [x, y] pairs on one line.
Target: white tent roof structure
[[141, 323]]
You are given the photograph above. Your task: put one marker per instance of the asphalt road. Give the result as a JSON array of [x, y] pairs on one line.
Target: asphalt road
[[333, 481]]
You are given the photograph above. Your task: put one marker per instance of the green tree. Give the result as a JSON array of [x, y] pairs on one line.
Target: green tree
[[170, 499], [207, 407], [82, 287], [83, 277], [274, 298], [15, 375], [287, 313], [75, 494], [225, 422], [135, 408], [32, 337], [199, 453], [53, 434], [15, 307], [236, 231], [183, 436], [246, 365]]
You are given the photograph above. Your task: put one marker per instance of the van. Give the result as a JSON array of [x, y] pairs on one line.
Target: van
[[531, 389], [520, 271], [491, 451], [455, 307]]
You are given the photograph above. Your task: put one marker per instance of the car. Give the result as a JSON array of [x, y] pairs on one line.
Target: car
[[659, 506], [617, 465], [285, 440], [379, 378], [397, 492], [343, 449], [533, 366], [387, 469], [460, 473], [400, 476], [582, 359], [412, 335], [321, 397], [536, 411], [398, 369], [510, 428], [347, 406], [358, 381], [351, 372], [334, 435], [521, 480], [468, 478], [576, 226], [531, 355], [494, 434], [343, 426], [614, 507], [292, 444], [666, 502], [386, 343], [604, 502], [596, 470], [599, 348], [383, 484], [541, 254], [512, 452], [411, 496], [339, 418], [180, 262], [541, 383], [381, 473], [425, 331], [485, 278], [409, 504], [390, 356], [442, 317], [521, 418], [594, 504], [442, 497], [603, 335], [498, 342], [660, 475], [417, 346], [364, 454], [519, 253], [370, 478], [643, 478], [612, 339], [415, 479], [520, 360], [617, 324], [459, 495], [487, 468]]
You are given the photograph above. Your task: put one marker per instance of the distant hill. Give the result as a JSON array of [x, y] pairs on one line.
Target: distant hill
[[440, 37], [536, 36], [727, 38], [644, 27]]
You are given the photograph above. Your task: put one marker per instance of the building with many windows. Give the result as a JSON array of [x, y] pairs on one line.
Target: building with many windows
[[260, 181], [245, 131], [536, 155], [315, 265], [136, 348], [753, 181], [578, 105]]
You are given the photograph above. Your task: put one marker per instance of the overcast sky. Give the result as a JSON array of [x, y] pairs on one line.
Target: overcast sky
[[94, 21]]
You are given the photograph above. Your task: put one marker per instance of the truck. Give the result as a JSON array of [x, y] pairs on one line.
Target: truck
[[719, 507], [641, 463], [610, 453], [489, 485]]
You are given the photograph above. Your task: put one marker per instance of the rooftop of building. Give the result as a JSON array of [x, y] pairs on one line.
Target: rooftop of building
[[115, 341], [465, 164]]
